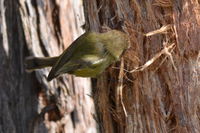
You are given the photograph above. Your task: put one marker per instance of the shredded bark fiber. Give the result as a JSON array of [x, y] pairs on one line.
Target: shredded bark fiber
[[155, 88]]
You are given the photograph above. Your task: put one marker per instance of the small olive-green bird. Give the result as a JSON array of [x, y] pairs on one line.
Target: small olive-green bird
[[87, 56]]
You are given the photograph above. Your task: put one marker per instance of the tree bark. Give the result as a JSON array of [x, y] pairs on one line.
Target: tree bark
[[28, 103], [161, 93]]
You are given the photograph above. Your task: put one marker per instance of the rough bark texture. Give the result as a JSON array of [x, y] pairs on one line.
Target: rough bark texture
[[28, 103], [161, 94]]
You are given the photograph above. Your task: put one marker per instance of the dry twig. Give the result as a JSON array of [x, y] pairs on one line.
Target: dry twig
[[120, 87], [152, 60], [163, 29]]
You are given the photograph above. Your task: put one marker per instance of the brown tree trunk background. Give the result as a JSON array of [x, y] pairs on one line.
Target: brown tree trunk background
[[28, 103], [161, 94]]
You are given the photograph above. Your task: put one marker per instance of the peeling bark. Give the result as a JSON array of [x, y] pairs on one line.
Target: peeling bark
[[28, 102], [161, 94]]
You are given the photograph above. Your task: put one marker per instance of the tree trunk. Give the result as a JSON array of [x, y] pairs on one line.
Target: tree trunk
[[28, 103], [161, 93]]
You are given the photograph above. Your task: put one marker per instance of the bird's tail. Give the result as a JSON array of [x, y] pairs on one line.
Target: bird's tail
[[32, 63]]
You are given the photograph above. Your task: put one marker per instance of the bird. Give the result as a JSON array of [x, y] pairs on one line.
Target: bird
[[88, 56]]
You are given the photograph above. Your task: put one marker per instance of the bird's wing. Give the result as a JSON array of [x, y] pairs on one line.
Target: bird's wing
[[87, 61], [80, 53]]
